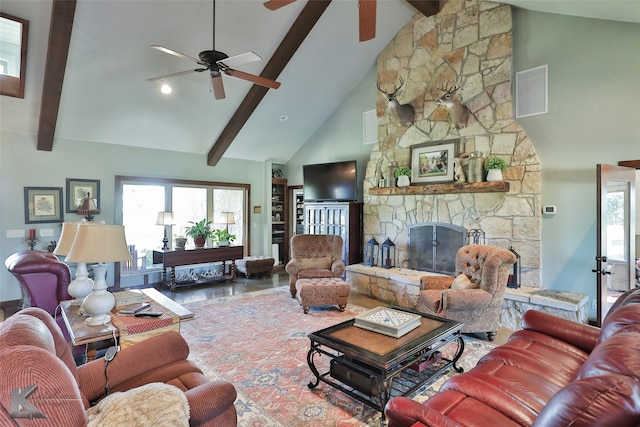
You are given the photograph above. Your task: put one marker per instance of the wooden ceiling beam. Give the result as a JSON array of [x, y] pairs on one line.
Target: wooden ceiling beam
[[288, 47], [62, 15], [426, 7], [281, 57]]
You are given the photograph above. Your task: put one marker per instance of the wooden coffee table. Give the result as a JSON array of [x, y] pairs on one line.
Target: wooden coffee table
[[372, 367], [82, 334]]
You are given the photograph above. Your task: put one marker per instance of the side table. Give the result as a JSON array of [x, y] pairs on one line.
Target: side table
[[129, 330]]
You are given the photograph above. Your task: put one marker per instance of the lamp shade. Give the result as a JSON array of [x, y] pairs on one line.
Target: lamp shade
[[165, 218], [226, 218], [99, 243], [88, 207], [67, 236]]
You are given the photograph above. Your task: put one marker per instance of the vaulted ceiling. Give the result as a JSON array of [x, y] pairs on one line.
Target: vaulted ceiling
[[104, 96]]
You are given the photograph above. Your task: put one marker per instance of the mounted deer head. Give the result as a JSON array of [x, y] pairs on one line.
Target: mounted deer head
[[403, 113], [458, 113]]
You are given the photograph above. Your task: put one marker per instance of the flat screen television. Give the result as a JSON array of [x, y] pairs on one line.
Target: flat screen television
[[336, 182]]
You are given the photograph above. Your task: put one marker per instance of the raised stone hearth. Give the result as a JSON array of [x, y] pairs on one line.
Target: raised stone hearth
[[401, 286]]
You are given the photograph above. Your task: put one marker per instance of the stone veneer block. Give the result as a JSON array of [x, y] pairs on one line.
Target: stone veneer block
[[567, 305]]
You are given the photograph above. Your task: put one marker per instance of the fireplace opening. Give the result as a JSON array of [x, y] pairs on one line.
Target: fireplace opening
[[433, 246]]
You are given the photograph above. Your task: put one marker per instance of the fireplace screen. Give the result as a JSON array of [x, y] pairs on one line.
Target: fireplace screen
[[433, 246]]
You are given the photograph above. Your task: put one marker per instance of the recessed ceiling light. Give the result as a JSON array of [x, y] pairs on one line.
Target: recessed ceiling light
[[166, 89], [284, 118]]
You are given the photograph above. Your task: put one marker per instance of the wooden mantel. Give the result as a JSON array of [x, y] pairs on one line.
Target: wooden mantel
[[446, 188]]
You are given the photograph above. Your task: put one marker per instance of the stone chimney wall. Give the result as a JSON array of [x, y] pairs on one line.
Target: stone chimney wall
[[468, 42]]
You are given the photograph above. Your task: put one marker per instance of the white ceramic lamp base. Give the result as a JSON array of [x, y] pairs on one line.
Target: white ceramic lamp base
[[98, 304], [81, 285]]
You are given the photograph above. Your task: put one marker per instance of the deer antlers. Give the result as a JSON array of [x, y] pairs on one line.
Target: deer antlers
[[452, 100]]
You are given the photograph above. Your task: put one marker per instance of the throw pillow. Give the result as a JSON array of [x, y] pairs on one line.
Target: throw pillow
[[148, 405], [463, 282], [320, 262]]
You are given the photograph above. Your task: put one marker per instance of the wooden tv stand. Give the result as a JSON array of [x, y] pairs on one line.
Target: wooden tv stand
[[173, 259]]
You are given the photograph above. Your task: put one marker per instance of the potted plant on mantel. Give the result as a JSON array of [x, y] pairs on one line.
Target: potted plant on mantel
[[223, 237], [200, 232], [494, 167], [403, 173]]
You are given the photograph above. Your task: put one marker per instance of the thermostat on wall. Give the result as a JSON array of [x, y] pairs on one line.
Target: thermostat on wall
[[549, 209]]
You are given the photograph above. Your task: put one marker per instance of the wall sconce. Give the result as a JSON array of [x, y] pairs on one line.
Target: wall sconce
[[387, 254], [371, 253]]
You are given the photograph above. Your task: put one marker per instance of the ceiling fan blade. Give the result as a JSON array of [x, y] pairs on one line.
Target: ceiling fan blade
[[179, 73], [178, 54], [218, 88], [262, 81], [367, 15], [276, 4], [243, 58]]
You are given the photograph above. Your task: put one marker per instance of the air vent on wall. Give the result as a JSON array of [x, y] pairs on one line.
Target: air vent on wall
[[531, 92], [369, 127]]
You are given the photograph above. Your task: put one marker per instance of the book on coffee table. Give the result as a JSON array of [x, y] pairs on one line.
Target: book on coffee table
[[388, 321]]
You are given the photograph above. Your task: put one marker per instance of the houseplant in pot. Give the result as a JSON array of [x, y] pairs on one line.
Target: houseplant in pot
[[223, 237], [403, 173], [199, 231], [494, 167], [180, 241]]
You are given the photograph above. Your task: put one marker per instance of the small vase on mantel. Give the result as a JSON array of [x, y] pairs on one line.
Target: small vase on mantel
[[494, 175], [403, 181]]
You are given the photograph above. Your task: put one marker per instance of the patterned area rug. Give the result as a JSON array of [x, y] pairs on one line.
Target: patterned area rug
[[258, 341]]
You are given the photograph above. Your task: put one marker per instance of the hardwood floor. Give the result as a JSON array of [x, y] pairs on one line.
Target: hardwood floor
[[279, 278]]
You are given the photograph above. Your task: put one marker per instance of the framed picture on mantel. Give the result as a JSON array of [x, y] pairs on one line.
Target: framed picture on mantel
[[432, 162]]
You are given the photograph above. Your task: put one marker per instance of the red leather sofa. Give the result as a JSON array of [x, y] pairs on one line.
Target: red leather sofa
[[553, 372]]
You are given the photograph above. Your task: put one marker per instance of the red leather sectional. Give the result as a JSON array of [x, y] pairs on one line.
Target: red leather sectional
[[553, 372]]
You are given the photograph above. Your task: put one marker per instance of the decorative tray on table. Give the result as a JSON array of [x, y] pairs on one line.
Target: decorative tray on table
[[388, 321]]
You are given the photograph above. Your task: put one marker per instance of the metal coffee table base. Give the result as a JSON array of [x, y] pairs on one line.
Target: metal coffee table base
[[375, 386]]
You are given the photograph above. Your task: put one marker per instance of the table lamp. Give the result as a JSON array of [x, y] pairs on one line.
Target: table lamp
[[165, 219], [226, 218], [81, 285], [100, 244], [88, 208]]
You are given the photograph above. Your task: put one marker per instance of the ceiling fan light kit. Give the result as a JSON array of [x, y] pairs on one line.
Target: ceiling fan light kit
[[218, 63]]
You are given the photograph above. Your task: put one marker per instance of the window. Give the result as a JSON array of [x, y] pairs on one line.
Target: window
[[138, 201], [13, 55]]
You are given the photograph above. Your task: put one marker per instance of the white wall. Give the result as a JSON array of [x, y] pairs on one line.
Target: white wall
[[21, 165], [593, 118], [340, 137]]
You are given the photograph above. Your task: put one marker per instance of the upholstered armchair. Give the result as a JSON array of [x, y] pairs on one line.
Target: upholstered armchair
[[33, 349], [43, 278], [314, 256], [475, 295]]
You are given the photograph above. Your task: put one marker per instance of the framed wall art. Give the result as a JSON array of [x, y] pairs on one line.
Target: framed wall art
[[77, 189], [42, 204], [432, 162]]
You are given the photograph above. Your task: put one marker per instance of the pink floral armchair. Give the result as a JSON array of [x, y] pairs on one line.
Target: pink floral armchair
[[475, 295], [314, 256]]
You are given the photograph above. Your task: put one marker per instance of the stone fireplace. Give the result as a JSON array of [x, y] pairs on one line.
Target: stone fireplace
[[433, 246], [468, 42]]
